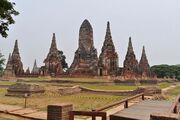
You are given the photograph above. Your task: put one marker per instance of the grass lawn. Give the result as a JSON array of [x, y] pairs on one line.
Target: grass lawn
[[3, 91], [68, 79], [109, 87], [6, 82], [175, 91], [85, 79], [121, 87], [163, 85], [81, 101]]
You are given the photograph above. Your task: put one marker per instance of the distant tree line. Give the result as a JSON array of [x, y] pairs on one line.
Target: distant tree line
[[167, 71]]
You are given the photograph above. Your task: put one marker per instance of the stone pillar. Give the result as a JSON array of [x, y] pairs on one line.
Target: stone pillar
[[59, 111]]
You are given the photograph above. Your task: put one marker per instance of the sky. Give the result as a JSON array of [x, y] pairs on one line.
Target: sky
[[152, 23]]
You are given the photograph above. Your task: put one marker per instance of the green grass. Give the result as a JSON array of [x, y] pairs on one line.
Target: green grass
[[6, 82], [3, 91], [83, 79], [109, 87], [175, 91], [68, 79], [164, 85], [121, 87], [160, 85]]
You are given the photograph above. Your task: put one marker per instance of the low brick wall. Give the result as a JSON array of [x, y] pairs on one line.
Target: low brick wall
[[69, 90], [59, 111], [20, 89], [110, 92], [145, 90]]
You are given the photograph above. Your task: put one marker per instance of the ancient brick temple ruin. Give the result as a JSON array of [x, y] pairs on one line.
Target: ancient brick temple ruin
[[144, 67], [9, 71], [85, 59], [108, 59], [53, 62], [35, 69], [130, 68], [86, 62], [27, 71], [17, 65]]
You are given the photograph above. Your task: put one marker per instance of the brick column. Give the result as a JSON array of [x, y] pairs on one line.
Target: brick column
[[59, 111]]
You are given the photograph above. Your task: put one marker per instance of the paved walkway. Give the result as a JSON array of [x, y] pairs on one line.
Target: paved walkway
[[23, 112], [142, 110], [114, 109]]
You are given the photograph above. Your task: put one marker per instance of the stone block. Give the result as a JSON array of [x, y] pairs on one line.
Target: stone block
[[59, 111]]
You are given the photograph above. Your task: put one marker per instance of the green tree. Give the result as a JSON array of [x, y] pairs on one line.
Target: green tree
[[63, 60], [167, 71], [2, 60], [7, 12]]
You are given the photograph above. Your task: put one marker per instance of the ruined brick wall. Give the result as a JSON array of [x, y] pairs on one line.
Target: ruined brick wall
[[69, 90]]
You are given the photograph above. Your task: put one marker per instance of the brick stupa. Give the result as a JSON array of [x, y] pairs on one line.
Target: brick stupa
[[85, 59], [52, 62], [35, 69], [108, 59], [144, 67], [130, 69], [8, 71], [16, 60]]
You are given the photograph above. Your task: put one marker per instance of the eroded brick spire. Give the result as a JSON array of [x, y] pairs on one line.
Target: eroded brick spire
[[86, 36], [35, 69], [53, 61], [85, 59], [53, 43], [108, 59], [130, 69], [130, 47], [16, 49], [16, 60], [108, 42], [144, 65]]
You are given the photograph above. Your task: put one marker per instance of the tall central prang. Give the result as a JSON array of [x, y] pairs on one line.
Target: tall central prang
[[85, 59]]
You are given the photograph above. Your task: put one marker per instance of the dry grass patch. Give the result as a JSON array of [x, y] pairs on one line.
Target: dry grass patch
[[81, 101]]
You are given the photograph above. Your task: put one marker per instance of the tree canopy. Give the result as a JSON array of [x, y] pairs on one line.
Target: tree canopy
[[167, 71], [63, 60], [2, 60], [7, 12]]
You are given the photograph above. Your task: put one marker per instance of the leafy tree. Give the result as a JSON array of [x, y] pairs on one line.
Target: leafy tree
[[2, 60], [167, 71], [63, 60], [7, 12]]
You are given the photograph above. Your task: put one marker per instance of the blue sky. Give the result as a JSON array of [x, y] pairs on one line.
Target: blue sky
[[153, 23]]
